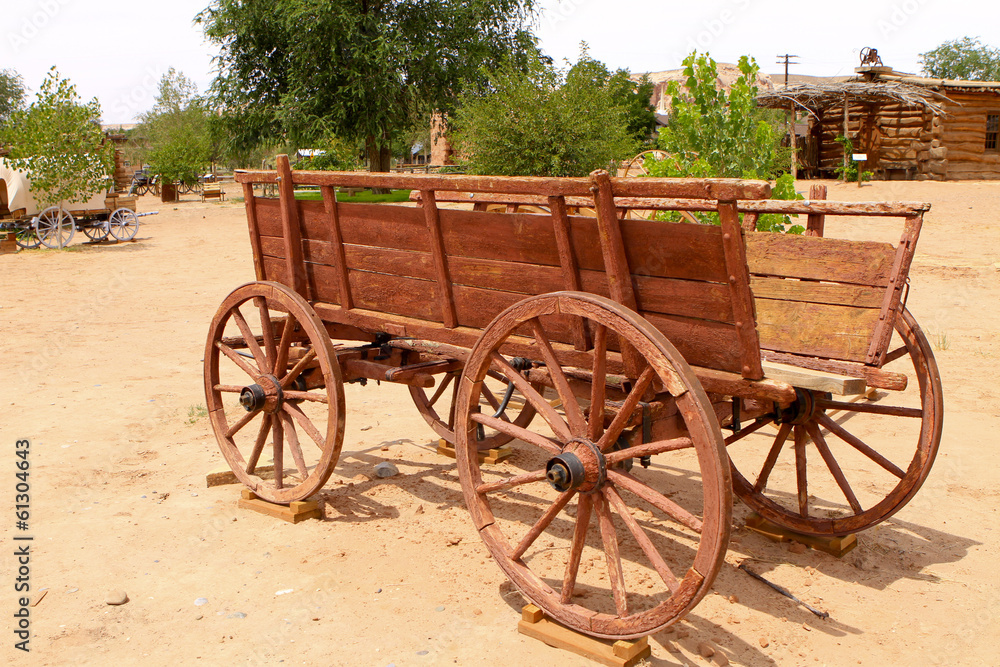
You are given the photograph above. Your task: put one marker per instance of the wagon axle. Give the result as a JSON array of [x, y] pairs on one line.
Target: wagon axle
[[581, 466], [256, 397]]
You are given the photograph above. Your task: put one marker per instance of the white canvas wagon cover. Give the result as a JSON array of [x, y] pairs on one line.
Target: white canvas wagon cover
[[15, 193]]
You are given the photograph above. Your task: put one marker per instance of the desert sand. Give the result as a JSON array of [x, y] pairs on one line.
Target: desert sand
[[102, 350]]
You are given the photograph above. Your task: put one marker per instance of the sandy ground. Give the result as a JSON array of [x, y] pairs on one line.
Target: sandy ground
[[102, 348]]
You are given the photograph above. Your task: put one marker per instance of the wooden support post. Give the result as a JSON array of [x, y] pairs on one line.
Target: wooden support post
[[615, 260], [816, 221], [791, 142], [846, 156], [290, 228], [890, 301], [739, 290], [570, 268], [258, 254], [447, 299], [343, 281], [621, 653]]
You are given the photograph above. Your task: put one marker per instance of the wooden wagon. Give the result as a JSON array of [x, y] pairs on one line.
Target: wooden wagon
[[631, 342]]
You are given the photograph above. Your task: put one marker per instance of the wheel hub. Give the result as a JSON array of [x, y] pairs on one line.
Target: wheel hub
[[580, 466], [800, 410], [266, 395]]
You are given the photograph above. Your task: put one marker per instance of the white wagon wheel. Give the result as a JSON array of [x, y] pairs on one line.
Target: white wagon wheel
[[123, 224], [55, 227]]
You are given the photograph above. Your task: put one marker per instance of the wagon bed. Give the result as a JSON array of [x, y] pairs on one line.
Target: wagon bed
[[651, 334]]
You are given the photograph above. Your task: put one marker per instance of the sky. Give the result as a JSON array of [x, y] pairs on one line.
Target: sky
[[117, 50]]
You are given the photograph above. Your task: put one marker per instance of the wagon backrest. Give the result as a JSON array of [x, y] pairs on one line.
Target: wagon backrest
[[826, 297], [460, 268]]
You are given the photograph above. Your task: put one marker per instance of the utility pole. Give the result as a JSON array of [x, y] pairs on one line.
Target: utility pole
[[790, 124]]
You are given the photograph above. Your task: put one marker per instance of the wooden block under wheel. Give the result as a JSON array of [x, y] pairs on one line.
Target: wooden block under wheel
[[294, 512], [835, 546], [621, 653], [489, 456]]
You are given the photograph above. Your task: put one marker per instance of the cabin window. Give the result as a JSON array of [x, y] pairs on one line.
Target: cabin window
[[992, 130]]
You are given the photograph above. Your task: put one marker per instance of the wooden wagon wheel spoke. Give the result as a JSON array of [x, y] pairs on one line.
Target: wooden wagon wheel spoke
[[310, 396], [515, 431], [251, 341], [511, 482], [542, 524], [293, 445], [873, 408], [772, 457], [858, 444], [240, 423], [801, 470], [258, 447], [569, 464], [284, 345], [598, 385], [618, 424], [655, 559], [548, 413], [656, 499], [287, 410], [613, 556], [571, 406], [235, 357], [297, 369], [576, 548], [649, 449], [305, 423], [831, 463], [267, 331], [744, 432], [906, 428], [437, 409]]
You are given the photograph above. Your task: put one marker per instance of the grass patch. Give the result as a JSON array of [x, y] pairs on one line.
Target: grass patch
[[363, 197], [196, 412], [940, 342]]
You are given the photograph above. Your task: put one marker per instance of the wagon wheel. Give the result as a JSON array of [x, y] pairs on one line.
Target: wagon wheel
[[55, 227], [436, 407], [26, 238], [123, 224], [271, 372], [673, 517], [142, 189], [96, 231], [830, 442], [637, 165]]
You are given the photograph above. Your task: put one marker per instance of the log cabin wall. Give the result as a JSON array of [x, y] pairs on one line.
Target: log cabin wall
[[912, 143], [963, 135]]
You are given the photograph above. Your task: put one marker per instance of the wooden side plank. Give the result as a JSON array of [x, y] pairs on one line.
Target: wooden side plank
[[821, 330], [834, 260], [258, 254], [861, 296]]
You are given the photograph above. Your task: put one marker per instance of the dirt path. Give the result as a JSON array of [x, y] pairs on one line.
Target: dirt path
[[102, 349]]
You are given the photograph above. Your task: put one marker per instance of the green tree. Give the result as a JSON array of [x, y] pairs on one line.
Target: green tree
[[175, 136], [309, 69], [11, 94], [715, 133], [544, 122], [57, 141], [965, 58], [712, 132]]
